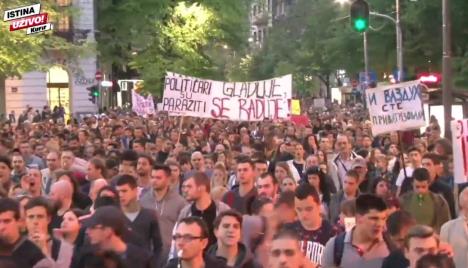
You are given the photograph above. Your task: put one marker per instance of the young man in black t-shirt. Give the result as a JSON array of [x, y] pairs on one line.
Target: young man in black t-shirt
[[312, 229]]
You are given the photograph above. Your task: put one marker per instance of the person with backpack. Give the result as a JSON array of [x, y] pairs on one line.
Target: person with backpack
[[365, 246]]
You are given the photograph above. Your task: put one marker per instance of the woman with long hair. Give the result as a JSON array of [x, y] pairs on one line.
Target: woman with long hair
[[282, 171], [316, 178], [310, 144]]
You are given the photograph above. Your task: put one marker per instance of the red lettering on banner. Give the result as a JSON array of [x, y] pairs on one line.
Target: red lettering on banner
[[219, 103], [28, 22]]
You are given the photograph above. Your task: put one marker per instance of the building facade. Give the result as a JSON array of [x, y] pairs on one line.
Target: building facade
[[66, 82]]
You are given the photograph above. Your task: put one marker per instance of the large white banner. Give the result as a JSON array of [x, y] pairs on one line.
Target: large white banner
[[395, 107], [141, 105], [237, 101], [460, 149]]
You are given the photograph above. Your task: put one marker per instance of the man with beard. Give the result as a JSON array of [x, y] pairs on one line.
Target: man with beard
[[144, 166], [19, 168], [61, 195], [30, 159], [48, 178]]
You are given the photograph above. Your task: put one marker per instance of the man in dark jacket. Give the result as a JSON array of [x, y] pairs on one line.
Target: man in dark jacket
[[105, 229], [227, 228], [191, 238]]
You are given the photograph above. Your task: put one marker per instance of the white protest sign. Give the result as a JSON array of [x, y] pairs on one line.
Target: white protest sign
[[460, 149], [395, 107], [141, 105], [237, 101]]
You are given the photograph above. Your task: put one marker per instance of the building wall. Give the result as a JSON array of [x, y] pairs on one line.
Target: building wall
[[31, 89]]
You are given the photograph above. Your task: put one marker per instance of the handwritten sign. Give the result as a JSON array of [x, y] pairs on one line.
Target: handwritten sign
[[460, 149], [141, 105], [395, 107], [237, 101], [295, 107]]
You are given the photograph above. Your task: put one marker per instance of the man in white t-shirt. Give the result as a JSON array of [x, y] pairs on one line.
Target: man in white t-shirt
[[415, 158]]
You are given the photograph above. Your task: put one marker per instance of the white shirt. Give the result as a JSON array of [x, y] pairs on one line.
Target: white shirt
[[401, 175]]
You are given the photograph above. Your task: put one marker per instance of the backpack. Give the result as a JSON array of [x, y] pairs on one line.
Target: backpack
[[338, 247]]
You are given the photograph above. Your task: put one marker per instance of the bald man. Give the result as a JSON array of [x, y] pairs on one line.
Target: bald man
[[96, 186], [454, 232], [61, 193], [198, 165]]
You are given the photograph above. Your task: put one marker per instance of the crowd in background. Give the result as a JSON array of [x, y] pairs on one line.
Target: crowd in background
[[121, 190]]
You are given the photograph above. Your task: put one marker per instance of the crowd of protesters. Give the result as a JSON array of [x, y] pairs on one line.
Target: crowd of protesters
[[121, 190]]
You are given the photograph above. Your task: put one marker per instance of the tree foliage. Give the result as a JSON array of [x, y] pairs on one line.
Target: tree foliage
[[20, 53], [199, 38], [315, 39]]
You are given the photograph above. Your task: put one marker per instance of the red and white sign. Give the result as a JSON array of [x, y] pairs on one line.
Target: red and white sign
[[28, 17], [98, 76], [21, 12], [28, 22]]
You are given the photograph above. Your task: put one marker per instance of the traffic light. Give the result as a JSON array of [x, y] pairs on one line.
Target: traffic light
[[360, 15], [93, 93]]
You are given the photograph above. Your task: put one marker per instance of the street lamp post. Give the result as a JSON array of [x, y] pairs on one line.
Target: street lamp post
[[446, 66]]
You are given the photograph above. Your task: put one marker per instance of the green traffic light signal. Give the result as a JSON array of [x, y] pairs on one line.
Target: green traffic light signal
[[96, 93], [359, 14], [360, 25]]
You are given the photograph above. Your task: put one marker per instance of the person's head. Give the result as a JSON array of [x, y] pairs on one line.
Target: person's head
[[71, 221], [398, 225], [285, 251], [347, 210], [342, 143], [61, 192], [227, 228], [435, 261], [144, 165], [282, 171], [312, 161], [32, 181], [324, 143], [96, 186], [106, 224], [219, 176], [5, 170], [38, 212], [19, 165], [196, 186], [285, 208], [288, 184], [67, 158], [366, 141], [351, 182], [381, 163], [9, 217], [53, 160], [160, 177], [420, 240], [261, 167], [139, 145], [25, 148], [463, 201], [414, 155], [96, 169], [191, 238], [267, 186], [245, 170], [175, 170], [198, 161], [432, 162], [371, 214], [262, 206], [127, 188], [421, 181], [299, 151], [360, 166], [307, 205], [381, 188]]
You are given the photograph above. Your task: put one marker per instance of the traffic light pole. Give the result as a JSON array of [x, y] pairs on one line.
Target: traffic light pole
[[399, 41], [446, 66], [366, 59]]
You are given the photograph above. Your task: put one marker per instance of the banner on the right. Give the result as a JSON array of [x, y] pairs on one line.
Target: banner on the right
[[460, 149], [395, 107]]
